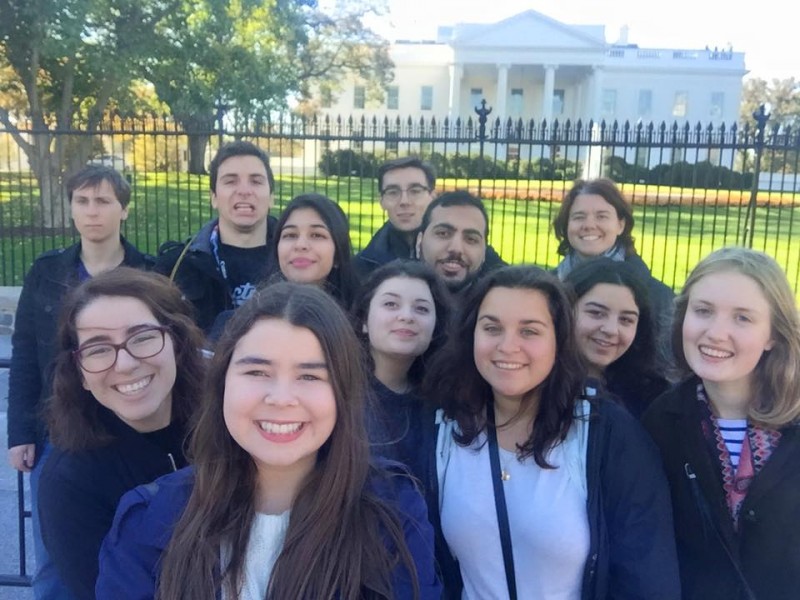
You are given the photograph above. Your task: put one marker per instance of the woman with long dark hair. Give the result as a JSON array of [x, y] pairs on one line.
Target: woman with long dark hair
[[127, 381], [282, 501], [615, 332], [401, 314], [313, 246], [541, 494], [728, 433]]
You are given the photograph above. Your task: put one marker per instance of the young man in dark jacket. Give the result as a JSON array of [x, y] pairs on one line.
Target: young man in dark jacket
[[406, 186], [98, 198], [220, 267]]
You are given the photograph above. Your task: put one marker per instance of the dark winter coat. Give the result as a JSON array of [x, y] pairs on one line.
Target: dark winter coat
[[766, 547], [79, 493], [192, 266], [46, 285]]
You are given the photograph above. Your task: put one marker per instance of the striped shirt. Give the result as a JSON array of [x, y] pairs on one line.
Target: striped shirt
[[733, 431]]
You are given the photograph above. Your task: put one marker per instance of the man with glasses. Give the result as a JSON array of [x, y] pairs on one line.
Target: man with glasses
[[406, 186], [98, 200]]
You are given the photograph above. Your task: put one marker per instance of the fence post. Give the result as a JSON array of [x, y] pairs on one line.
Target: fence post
[[221, 108], [483, 113], [761, 116]]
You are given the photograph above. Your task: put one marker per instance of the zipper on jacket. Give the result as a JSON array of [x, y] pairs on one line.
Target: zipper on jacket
[[172, 461]]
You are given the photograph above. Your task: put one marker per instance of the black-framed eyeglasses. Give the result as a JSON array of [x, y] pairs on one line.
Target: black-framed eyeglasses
[[414, 192], [97, 357]]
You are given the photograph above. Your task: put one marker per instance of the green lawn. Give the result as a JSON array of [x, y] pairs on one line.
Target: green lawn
[[167, 206]]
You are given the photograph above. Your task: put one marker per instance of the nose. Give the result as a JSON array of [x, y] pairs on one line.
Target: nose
[[279, 393], [717, 329], [455, 245], [507, 344], [301, 242], [609, 327], [125, 361], [406, 314]]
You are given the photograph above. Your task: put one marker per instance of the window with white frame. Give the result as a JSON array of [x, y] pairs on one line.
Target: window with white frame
[[515, 106], [359, 96], [717, 105], [608, 107], [558, 103], [426, 97], [680, 107], [645, 110], [392, 97], [475, 97]]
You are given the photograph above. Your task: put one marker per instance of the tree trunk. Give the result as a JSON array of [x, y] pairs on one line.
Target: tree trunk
[[48, 175], [198, 142]]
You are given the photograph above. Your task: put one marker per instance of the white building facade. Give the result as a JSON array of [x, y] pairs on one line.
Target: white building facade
[[530, 66]]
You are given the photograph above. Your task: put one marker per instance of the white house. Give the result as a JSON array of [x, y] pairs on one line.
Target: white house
[[534, 67]]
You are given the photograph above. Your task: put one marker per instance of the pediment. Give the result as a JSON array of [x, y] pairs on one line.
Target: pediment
[[529, 29]]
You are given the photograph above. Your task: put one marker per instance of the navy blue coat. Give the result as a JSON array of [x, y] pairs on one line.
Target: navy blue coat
[[146, 517], [46, 285]]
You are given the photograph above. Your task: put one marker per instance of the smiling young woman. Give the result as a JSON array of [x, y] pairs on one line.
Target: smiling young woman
[[729, 434], [401, 315], [126, 381], [520, 455], [282, 500], [616, 333]]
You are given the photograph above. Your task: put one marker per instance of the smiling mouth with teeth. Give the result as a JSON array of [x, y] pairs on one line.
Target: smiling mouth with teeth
[[714, 353], [132, 388], [280, 428], [508, 366]]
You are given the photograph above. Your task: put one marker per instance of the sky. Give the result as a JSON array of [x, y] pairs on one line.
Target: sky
[[684, 24]]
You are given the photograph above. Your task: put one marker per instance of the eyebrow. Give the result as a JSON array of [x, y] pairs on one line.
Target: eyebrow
[[313, 226], [105, 337], [258, 360], [396, 295], [604, 307], [494, 319]]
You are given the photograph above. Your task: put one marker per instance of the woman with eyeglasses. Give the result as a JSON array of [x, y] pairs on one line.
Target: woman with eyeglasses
[[126, 382]]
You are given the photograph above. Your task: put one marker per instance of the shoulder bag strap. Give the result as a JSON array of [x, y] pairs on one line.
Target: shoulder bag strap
[[500, 505]]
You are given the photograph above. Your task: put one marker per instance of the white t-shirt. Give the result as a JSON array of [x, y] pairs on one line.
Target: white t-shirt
[[547, 517], [267, 535]]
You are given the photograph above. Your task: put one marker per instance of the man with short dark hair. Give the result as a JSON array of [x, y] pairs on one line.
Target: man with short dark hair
[[452, 238], [98, 198], [407, 187], [220, 267]]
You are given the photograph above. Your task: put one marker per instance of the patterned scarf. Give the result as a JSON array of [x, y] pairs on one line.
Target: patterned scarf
[[758, 446], [572, 260]]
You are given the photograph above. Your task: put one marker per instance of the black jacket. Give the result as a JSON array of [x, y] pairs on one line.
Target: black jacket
[[389, 244], [79, 493], [632, 548], [46, 285], [767, 544], [192, 266]]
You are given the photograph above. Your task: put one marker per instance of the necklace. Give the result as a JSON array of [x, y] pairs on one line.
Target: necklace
[[505, 472]]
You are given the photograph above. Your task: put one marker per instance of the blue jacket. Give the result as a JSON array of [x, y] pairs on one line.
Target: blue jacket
[[48, 282], [632, 547], [146, 517]]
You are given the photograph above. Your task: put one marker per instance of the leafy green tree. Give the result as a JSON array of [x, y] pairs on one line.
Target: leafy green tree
[[255, 57], [782, 97], [68, 60]]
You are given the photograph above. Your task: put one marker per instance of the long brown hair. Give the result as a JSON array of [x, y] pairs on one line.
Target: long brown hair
[[456, 384], [334, 544], [73, 414]]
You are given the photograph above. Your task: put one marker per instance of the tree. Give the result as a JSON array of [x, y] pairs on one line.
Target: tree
[[783, 99], [255, 57], [68, 59]]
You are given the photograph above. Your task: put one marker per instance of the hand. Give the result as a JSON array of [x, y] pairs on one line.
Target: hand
[[22, 457]]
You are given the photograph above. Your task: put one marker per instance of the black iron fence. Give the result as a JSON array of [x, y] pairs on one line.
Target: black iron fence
[[694, 187]]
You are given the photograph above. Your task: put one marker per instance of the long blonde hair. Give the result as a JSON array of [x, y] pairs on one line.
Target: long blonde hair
[[776, 377]]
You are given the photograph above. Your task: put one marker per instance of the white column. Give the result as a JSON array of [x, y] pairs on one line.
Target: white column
[[578, 112], [502, 92], [547, 96], [597, 94], [456, 73]]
